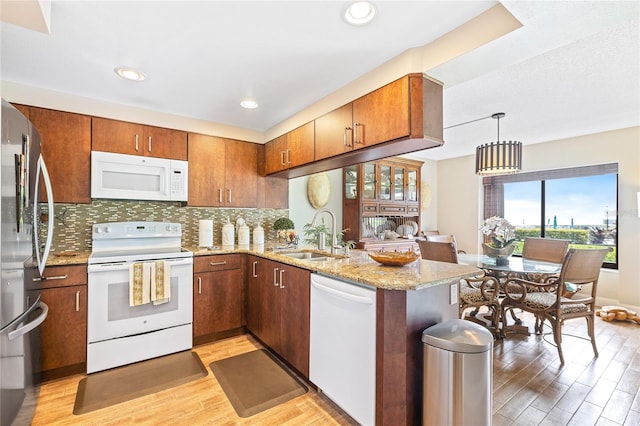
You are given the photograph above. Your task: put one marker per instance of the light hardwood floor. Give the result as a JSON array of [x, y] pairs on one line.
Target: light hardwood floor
[[530, 388]]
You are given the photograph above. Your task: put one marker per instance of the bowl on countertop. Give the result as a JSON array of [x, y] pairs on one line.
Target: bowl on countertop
[[394, 258]]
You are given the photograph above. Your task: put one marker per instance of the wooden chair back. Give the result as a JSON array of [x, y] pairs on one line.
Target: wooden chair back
[[545, 249], [440, 251], [582, 266]]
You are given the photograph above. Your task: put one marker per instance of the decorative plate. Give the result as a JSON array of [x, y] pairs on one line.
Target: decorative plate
[[394, 258]]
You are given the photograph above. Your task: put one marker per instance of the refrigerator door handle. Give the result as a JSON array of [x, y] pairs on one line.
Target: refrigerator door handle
[[42, 167], [33, 324]]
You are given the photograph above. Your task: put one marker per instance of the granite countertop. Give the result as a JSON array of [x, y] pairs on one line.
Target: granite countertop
[[358, 267]]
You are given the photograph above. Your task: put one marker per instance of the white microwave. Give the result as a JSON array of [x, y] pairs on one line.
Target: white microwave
[[133, 177]]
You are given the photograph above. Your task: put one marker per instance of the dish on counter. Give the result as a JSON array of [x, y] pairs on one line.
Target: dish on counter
[[394, 258]]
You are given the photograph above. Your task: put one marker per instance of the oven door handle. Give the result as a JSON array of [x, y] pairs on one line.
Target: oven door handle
[[103, 267]]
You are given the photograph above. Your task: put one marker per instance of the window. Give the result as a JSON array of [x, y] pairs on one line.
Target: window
[[578, 204]]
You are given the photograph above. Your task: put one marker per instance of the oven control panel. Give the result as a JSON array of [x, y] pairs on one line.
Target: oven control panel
[[119, 230]]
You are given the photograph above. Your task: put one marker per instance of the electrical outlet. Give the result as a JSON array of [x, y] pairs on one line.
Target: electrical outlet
[[453, 299]]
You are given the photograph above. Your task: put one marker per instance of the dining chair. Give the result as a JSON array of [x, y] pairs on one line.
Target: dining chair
[[444, 238], [545, 249], [475, 292], [581, 267]]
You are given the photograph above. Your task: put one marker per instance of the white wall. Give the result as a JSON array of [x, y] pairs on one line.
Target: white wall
[[459, 200], [301, 211]]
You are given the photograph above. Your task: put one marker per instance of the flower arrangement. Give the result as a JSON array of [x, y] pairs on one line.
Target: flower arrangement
[[501, 232]]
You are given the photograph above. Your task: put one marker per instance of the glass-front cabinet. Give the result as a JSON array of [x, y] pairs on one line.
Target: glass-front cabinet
[[398, 184], [412, 185], [381, 201], [351, 182], [369, 190], [385, 182]]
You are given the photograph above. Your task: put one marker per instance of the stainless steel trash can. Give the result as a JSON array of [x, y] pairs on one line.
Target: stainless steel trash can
[[458, 374]]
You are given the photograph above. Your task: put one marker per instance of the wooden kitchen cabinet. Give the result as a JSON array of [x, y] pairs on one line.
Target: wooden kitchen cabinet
[[377, 192], [278, 309], [291, 149], [272, 192], [66, 149], [334, 132], [400, 117], [64, 332], [137, 139], [222, 172], [217, 297]]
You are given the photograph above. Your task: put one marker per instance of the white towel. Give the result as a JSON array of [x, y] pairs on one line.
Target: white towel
[[160, 282], [139, 284]]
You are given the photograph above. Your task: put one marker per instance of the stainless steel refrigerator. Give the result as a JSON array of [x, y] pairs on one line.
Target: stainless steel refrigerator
[[24, 249]]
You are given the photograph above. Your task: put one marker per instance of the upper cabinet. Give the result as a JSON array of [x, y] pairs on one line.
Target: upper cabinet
[[382, 115], [290, 150], [66, 149], [137, 139], [401, 117], [222, 172]]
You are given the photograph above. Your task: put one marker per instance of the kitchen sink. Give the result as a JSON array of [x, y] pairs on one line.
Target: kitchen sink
[[307, 255]]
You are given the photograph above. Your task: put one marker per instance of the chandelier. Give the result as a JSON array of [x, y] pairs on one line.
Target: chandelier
[[500, 157]]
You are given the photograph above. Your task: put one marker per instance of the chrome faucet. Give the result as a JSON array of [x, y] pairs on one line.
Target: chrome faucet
[[314, 222]]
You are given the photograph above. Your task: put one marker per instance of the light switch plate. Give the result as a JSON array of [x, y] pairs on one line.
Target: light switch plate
[[453, 299]]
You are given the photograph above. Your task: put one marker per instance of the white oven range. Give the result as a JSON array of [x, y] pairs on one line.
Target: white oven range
[[120, 334]]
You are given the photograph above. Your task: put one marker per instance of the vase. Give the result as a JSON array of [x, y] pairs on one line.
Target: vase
[[501, 254]]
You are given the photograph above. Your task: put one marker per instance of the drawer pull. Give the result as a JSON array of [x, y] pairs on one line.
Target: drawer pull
[[57, 277], [224, 262], [255, 263]]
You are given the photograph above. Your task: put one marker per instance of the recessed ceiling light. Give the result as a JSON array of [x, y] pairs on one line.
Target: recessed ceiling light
[[248, 104], [129, 73], [359, 13]]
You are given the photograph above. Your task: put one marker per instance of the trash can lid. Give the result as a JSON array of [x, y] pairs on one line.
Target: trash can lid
[[458, 336]]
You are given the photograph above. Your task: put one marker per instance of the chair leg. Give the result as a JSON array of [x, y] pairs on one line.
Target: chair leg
[[592, 334], [557, 337]]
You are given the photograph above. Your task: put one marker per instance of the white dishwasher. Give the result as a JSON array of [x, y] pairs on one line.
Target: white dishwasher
[[342, 357]]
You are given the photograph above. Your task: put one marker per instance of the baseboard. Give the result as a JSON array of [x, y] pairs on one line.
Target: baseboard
[[604, 301]]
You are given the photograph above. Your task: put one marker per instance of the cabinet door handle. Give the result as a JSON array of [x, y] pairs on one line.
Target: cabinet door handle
[[288, 156], [136, 142], [77, 301], [224, 262], [282, 163], [228, 195], [199, 285], [355, 133], [347, 129], [255, 263], [57, 277], [275, 277], [220, 195], [149, 143], [281, 272]]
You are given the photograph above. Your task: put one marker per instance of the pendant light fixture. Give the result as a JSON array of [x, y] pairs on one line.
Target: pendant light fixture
[[500, 157]]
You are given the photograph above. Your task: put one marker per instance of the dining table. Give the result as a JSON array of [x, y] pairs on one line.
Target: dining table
[[516, 265]]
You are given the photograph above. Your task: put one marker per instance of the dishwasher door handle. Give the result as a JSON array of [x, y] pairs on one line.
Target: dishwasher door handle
[[364, 300]]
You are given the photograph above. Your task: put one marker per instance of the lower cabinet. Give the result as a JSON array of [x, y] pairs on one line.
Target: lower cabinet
[[217, 297], [278, 309], [64, 332]]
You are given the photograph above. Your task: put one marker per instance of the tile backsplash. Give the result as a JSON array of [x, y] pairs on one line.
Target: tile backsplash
[[73, 222]]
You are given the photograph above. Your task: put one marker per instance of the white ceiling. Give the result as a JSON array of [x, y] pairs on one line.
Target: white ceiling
[[573, 68]]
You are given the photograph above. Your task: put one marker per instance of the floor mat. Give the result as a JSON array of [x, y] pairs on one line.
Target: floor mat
[[256, 381], [121, 384]]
